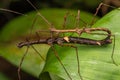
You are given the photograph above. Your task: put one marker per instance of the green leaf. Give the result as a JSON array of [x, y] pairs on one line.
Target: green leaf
[[17, 30], [95, 61]]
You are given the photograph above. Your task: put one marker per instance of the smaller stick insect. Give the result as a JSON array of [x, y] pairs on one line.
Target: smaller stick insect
[[89, 30]]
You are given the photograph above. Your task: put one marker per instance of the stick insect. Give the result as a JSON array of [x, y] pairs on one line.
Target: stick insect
[[89, 29], [70, 39], [79, 31]]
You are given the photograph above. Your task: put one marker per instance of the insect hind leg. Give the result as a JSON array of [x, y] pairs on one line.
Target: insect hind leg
[[76, 49], [108, 37], [56, 54], [78, 63], [19, 68]]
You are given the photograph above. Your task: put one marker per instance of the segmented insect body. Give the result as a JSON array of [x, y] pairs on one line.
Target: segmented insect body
[[61, 40]]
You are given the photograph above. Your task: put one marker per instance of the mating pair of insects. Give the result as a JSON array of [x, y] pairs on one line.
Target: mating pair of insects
[[69, 41]]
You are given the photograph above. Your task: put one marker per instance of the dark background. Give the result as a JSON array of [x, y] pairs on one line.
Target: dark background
[[23, 6]]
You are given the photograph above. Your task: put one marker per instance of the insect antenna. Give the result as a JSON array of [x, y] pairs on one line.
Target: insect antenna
[[7, 10]]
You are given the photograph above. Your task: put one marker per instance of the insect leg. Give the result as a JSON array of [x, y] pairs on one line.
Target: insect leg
[[38, 52], [19, 68], [34, 20], [112, 55], [56, 54], [40, 13], [108, 37], [97, 9], [65, 20], [76, 49]]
